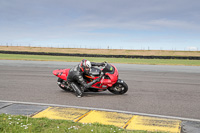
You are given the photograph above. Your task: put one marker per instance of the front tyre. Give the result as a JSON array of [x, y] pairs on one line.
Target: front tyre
[[119, 88]]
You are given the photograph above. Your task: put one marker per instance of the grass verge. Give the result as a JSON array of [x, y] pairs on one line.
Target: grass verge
[[97, 59], [24, 124], [101, 51]]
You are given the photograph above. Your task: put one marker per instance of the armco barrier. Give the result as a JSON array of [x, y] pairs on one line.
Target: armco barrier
[[106, 56]]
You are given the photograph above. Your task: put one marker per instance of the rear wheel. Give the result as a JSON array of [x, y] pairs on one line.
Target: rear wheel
[[60, 83], [119, 88]]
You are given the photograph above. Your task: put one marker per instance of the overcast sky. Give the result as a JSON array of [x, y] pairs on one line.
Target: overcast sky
[[120, 24]]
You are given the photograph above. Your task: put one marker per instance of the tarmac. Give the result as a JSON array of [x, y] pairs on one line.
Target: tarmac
[[125, 120]]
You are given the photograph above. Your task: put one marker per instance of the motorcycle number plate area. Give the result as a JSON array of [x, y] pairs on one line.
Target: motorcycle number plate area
[[61, 73]]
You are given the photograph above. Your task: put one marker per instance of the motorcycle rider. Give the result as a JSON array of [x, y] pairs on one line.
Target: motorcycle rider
[[75, 76]]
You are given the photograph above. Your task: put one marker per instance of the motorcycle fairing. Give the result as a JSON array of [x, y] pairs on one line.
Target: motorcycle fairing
[[105, 83]]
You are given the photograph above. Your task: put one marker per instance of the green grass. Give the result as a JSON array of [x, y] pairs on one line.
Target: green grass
[[24, 124], [97, 59]]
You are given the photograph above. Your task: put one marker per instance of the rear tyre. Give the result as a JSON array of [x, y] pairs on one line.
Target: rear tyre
[[60, 84], [119, 88]]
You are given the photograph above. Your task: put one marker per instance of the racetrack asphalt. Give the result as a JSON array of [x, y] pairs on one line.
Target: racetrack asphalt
[[160, 90]]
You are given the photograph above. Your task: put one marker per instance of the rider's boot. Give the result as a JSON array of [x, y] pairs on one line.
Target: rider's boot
[[76, 89]]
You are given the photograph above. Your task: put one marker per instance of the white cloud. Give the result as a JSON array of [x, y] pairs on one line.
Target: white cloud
[[66, 19]]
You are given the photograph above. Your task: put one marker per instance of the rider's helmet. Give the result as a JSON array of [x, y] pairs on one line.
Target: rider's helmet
[[85, 66]]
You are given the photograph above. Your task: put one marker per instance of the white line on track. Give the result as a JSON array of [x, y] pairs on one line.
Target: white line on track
[[109, 110]]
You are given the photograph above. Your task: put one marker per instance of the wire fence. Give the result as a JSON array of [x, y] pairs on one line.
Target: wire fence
[[100, 47]]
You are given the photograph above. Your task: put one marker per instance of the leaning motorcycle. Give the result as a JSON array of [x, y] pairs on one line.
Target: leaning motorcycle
[[109, 80]]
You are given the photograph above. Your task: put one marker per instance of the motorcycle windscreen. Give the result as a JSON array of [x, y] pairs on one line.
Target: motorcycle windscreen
[[108, 69]]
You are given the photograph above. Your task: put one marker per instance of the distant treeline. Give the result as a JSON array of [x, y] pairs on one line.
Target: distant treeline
[[105, 56]]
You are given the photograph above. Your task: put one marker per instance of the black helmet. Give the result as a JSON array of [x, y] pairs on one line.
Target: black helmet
[[85, 66]]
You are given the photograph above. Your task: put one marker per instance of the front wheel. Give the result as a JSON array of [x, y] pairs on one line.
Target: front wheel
[[119, 88]]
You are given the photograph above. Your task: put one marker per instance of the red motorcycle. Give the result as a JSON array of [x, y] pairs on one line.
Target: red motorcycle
[[109, 80]]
